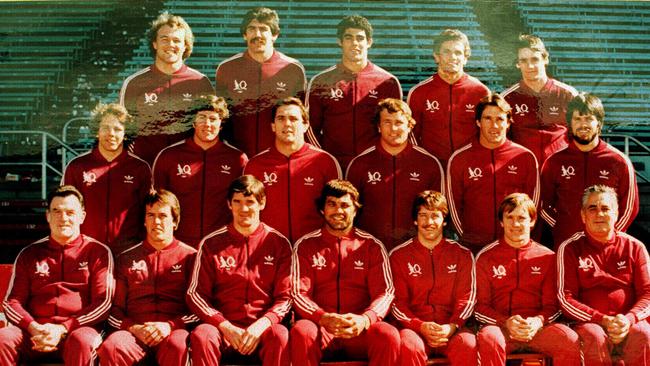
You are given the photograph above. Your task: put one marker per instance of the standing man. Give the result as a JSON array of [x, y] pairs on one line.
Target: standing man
[[516, 294], [540, 101], [149, 313], [434, 289], [483, 172], [293, 172], [113, 181], [587, 161], [444, 104], [604, 284], [240, 285], [390, 174], [199, 169], [255, 80], [60, 291], [342, 288], [159, 95], [342, 98]]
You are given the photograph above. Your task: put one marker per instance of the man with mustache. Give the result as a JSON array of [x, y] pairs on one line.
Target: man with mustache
[[588, 160]]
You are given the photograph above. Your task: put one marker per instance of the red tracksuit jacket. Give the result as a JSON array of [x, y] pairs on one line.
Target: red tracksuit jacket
[[388, 184], [567, 173], [342, 104], [341, 275], [252, 89], [511, 281], [432, 284], [292, 185], [540, 118], [71, 285], [445, 113], [200, 179], [151, 286], [478, 179], [113, 194], [596, 279], [241, 279]]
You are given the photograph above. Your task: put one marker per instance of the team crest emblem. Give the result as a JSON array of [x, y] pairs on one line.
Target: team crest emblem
[[414, 269], [42, 269], [585, 264], [568, 172], [227, 262], [184, 170], [498, 272], [521, 109], [240, 86], [432, 106], [150, 98], [140, 265], [318, 261], [475, 174], [336, 94], [269, 179], [374, 177], [89, 178]]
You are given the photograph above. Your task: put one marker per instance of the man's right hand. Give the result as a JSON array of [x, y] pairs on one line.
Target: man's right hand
[[335, 323], [233, 335]]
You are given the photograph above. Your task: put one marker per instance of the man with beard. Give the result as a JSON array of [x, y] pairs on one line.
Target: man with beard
[[587, 161]]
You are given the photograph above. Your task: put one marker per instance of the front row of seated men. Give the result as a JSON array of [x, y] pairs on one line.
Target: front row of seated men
[[242, 281]]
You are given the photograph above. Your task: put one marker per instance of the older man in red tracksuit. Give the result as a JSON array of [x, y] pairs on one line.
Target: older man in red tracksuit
[[516, 294], [342, 288], [604, 284]]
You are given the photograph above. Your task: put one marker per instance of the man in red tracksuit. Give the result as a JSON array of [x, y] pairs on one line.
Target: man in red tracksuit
[[587, 161], [486, 170], [240, 286], [149, 312], [604, 284], [199, 169], [113, 181], [60, 291], [391, 173], [434, 289], [293, 173], [540, 102], [444, 104], [516, 295], [253, 81], [159, 95], [341, 288], [342, 98]]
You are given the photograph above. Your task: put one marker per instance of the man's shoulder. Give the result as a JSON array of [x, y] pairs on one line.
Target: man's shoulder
[[141, 76], [309, 240]]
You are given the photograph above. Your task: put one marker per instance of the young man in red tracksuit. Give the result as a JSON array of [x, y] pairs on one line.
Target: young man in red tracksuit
[[391, 173], [516, 295], [240, 285], [60, 291], [341, 288], [253, 81], [434, 289], [113, 181], [199, 169], [149, 313], [482, 173], [444, 104], [293, 173], [604, 284], [159, 95], [540, 102], [587, 161], [342, 98]]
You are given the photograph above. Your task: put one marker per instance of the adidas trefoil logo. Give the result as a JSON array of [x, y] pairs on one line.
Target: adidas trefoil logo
[[358, 264], [187, 97], [604, 174], [309, 181], [373, 94], [469, 108], [176, 268], [451, 268], [280, 86], [268, 260], [128, 179], [415, 176], [512, 169], [535, 270], [225, 169]]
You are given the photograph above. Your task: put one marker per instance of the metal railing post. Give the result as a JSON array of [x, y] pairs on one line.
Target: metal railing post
[[43, 166]]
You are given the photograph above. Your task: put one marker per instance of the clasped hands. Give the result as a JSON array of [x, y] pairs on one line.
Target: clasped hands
[[344, 325], [523, 329]]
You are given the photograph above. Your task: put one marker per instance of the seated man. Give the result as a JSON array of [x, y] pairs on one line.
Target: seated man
[[516, 295], [434, 288], [604, 284], [149, 312], [61, 290]]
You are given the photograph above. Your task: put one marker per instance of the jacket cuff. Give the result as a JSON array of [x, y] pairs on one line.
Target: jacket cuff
[[415, 325], [126, 324], [273, 317], [597, 317], [372, 316], [71, 324], [176, 323], [458, 321], [217, 319], [25, 322], [317, 315], [632, 318]]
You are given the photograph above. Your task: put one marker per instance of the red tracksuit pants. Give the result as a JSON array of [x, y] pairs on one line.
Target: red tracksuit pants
[[597, 348], [122, 348], [461, 349], [310, 342], [555, 340]]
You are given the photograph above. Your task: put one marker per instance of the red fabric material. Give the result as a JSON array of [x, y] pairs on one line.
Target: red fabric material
[[461, 349], [597, 348]]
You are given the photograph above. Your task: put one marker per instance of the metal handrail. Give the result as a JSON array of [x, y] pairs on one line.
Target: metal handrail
[[626, 147], [66, 126]]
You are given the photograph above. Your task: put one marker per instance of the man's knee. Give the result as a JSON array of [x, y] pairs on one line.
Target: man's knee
[[591, 332], [304, 330], [83, 339], [384, 332], [277, 334], [491, 336], [177, 341], [411, 343], [203, 335]]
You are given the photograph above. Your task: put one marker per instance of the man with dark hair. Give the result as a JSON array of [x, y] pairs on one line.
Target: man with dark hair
[[444, 104], [253, 81], [60, 291], [390, 174], [483, 172], [199, 169], [342, 98], [587, 161], [159, 95], [604, 284], [113, 180], [342, 288], [434, 288], [293, 173], [240, 285], [149, 313]]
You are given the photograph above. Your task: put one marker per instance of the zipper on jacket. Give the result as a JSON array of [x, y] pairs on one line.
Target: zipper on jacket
[[394, 203], [451, 110], [433, 277], [108, 204], [354, 116], [203, 201], [289, 197], [58, 293], [257, 111], [494, 197], [155, 279], [338, 279], [247, 271]]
